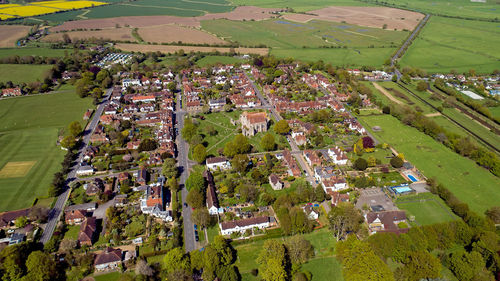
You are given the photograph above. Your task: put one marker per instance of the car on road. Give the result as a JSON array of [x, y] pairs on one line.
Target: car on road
[[195, 227], [185, 205]]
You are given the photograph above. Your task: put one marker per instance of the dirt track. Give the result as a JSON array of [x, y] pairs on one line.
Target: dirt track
[[173, 49], [364, 16], [387, 94]]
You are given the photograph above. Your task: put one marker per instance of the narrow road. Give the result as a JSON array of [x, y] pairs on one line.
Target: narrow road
[[295, 149], [182, 163], [56, 212], [406, 44]]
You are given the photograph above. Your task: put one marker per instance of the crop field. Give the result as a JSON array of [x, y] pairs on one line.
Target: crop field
[[168, 49], [46, 52], [427, 208], [9, 34], [306, 41], [456, 8], [19, 73], [116, 34], [41, 8], [450, 44], [28, 144], [378, 17], [469, 182], [175, 34]]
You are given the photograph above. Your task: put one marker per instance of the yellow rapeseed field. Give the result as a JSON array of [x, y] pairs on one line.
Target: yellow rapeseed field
[[40, 8]]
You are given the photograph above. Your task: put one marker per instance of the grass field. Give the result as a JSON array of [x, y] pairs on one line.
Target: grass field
[[288, 39], [113, 276], [427, 208], [456, 8], [445, 44], [212, 60], [323, 243], [32, 138], [46, 52], [19, 73], [469, 182], [72, 232], [298, 5]]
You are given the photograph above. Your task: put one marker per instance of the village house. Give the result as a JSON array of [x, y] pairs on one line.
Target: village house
[[155, 201], [216, 163], [312, 158], [87, 231], [11, 92], [143, 99], [84, 171], [253, 123], [7, 219], [212, 202], [88, 207], [386, 221], [293, 168], [109, 259], [227, 228], [275, 182], [338, 197], [75, 216], [194, 106], [130, 82], [338, 156], [217, 104], [142, 176], [94, 187], [310, 212], [336, 183]]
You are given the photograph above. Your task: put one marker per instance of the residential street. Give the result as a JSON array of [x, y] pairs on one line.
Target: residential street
[[295, 149], [182, 163], [56, 212]]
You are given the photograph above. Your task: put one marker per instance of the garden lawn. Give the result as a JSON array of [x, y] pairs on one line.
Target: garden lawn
[[212, 232], [29, 128], [322, 241], [445, 44], [113, 276], [427, 208], [469, 182], [327, 268], [72, 232], [220, 121], [23, 73], [212, 60]]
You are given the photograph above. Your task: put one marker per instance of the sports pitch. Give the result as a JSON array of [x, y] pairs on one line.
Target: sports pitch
[[29, 156]]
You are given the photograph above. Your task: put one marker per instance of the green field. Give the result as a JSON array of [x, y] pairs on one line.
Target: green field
[[46, 52], [298, 5], [307, 41], [445, 44], [456, 8], [29, 128], [23, 73], [142, 8], [426, 207], [113, 276], [72, 232], [323, 243], [212, 60], [469, 182]]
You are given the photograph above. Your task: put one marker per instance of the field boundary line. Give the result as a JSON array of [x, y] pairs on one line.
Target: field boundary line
[[387, 94]]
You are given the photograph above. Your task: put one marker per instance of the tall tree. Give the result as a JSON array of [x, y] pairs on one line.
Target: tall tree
[[40, 267], [267, 142], [176, 260], [299, 249], [240, 163], [421, 266], [169, 168], [272, 260], [343, 219], [281, 127], [199, 153], [195, 198]]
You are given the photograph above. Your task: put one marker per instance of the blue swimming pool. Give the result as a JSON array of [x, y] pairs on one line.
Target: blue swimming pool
[[412, 178], [400, 189]]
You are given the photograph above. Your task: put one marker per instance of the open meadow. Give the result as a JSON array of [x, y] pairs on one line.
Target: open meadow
[[212, 60], [23, 73], [338, 43], [28, 143], [168, 49], [115, 34], [469, 182], [447, 44]]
